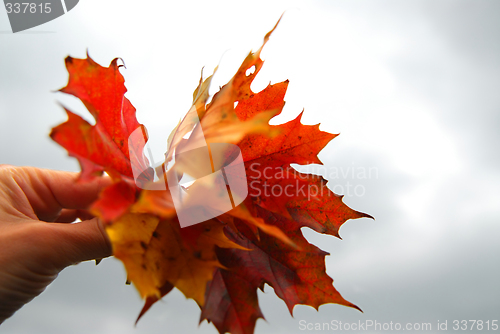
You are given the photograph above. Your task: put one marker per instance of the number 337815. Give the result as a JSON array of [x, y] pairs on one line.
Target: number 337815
[[475, 324], [27, 7]]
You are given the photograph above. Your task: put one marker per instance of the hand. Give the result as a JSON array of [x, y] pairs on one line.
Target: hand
[[36, 239]]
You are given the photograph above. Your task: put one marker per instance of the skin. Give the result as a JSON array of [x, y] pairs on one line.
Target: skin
[[37, 239]]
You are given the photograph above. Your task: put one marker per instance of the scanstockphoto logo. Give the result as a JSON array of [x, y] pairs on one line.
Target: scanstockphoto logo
[[28, 14], [205, 181]]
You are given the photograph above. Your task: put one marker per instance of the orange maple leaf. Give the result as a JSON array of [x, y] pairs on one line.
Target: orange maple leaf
[[221, 261]]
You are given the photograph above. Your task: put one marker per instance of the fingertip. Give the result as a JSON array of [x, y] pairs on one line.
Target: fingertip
[[86, 240]]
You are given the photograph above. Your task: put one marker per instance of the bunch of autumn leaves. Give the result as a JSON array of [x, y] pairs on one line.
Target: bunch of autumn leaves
[[221, 262]]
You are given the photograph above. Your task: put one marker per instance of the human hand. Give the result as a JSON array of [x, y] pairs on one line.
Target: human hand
[[36, 239]]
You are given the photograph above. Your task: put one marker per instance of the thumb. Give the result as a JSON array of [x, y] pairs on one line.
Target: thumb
[[82, 241]]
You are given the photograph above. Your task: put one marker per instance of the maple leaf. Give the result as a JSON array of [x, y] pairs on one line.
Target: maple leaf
[[223, 260], [297, 276], [104, 146]]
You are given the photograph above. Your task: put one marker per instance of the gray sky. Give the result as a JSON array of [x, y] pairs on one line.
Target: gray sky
[[412, 86]]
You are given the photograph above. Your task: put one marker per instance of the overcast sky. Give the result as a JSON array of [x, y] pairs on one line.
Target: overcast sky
[[412, 86]]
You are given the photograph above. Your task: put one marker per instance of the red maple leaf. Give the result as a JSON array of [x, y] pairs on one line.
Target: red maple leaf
[[222, 261]]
